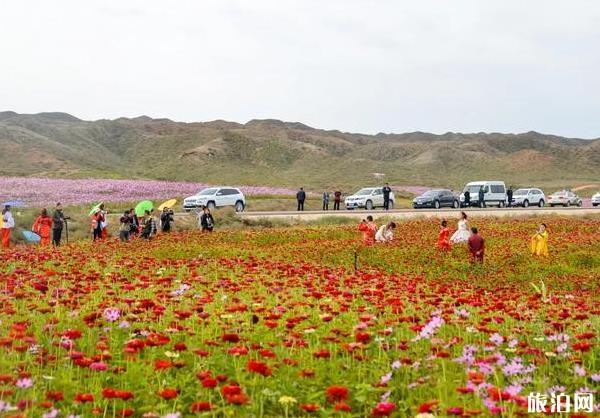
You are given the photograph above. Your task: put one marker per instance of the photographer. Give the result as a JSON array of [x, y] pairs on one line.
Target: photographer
[[59, 221], [166, 219]]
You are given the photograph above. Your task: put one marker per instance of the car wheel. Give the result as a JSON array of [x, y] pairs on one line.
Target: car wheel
[[391, 204], [369, 205], [211, 206], [580, 203], [525, 203], [541, 203], [501, 204], [568, 204], [239, 206], [455, 205], [436, 204]]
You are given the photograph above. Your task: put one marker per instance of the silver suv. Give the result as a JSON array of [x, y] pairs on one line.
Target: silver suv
[[216, 197]]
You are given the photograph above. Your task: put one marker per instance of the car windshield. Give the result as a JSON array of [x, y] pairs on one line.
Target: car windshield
[[563, 193], [521, 192], [363, 192], [430, 193], [207, 192], [473, 189]]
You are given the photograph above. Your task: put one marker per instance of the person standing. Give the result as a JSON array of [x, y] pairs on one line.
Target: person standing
[[125, 226], [58, 223], [96, 229], [8, 223], [539, 242], [148, 225], [467, 198], [104, 222], [443, 242], [325, 200], [462, 234], [134, 226], [301, 197], [476, 246], [368, 229], [386, 196], [509, 195], [337, 198], [207, 222], [43, 227], [481, 196], [386, 232], [166, 219]]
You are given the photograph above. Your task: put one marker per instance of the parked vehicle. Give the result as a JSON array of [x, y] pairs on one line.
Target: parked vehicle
[[564, 198], [528, 197], [495, 193], [368, 198], [436, 199], [596, 199], [216, 197]]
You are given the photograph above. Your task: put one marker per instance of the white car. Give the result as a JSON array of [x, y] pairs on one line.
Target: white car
[[527, 197], [216, 197], [564, 198], [368, 198], [596, 199], [494, 193]]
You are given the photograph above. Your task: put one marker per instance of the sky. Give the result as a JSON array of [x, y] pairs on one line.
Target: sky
[[353, 65]]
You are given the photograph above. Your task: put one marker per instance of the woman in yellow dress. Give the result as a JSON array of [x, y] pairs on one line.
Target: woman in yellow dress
[[539, 242]]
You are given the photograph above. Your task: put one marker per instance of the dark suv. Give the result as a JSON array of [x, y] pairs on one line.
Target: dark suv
[[436, 199]]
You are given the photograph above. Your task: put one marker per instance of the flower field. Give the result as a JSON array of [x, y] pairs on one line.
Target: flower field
[[277, 323], [46, 192]]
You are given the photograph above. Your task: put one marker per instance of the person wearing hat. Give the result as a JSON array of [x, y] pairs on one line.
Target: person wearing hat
[[8, 223]]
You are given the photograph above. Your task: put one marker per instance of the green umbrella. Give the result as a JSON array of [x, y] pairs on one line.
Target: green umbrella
[[143, 206], [95, 209]]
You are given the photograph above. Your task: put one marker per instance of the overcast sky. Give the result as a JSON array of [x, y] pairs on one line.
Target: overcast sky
[[360, 66]]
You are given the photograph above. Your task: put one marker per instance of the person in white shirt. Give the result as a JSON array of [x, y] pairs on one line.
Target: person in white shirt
[[385, 232], [8, 223]]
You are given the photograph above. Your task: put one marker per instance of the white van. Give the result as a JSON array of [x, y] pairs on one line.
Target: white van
[[494, 193]]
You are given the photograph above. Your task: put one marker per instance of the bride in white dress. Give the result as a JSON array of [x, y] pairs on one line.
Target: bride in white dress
[[462, 234]]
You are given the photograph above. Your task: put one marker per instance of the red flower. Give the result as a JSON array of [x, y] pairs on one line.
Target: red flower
[[162, 364], [239, 399], [84, 397], [229, 390], [127, 412], [230, 338], [259, 367], [582, 346], [336, 393], [209, 383], [455, 411], [309, 407], [383, 409], [201, 407], [428, 406], [342, 406], [54, 396], [362, 337], [168, 393]]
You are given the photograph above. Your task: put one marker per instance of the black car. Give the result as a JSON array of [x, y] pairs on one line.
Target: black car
[[436, 199]]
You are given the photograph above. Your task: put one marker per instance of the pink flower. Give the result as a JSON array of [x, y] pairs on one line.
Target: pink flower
[[98, 366], [25, 383], [112, 314]]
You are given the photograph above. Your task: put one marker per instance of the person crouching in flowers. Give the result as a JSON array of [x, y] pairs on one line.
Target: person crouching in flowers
[[148, 225], [386, 232], [539, 241], [476, 245], [368, 229], [43, 227], [443, 242]]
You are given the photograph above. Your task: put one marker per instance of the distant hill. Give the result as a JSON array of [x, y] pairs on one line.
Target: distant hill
[[276, 153]]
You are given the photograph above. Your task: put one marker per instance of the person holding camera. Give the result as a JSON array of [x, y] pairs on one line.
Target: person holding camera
[[59, 221], [166, 219]]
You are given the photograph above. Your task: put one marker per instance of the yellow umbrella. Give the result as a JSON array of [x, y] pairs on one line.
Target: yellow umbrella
[[168, 204]]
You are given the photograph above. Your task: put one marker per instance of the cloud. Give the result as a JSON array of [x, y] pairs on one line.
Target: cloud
[[348, 64]]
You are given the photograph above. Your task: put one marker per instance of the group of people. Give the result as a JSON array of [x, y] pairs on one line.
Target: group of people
[[475, 243], [337, 198], [48, 228], [372, 234]]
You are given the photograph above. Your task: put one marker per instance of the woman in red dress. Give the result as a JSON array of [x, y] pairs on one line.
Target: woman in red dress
[[368, 229], [43, 227], [443, 242]]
